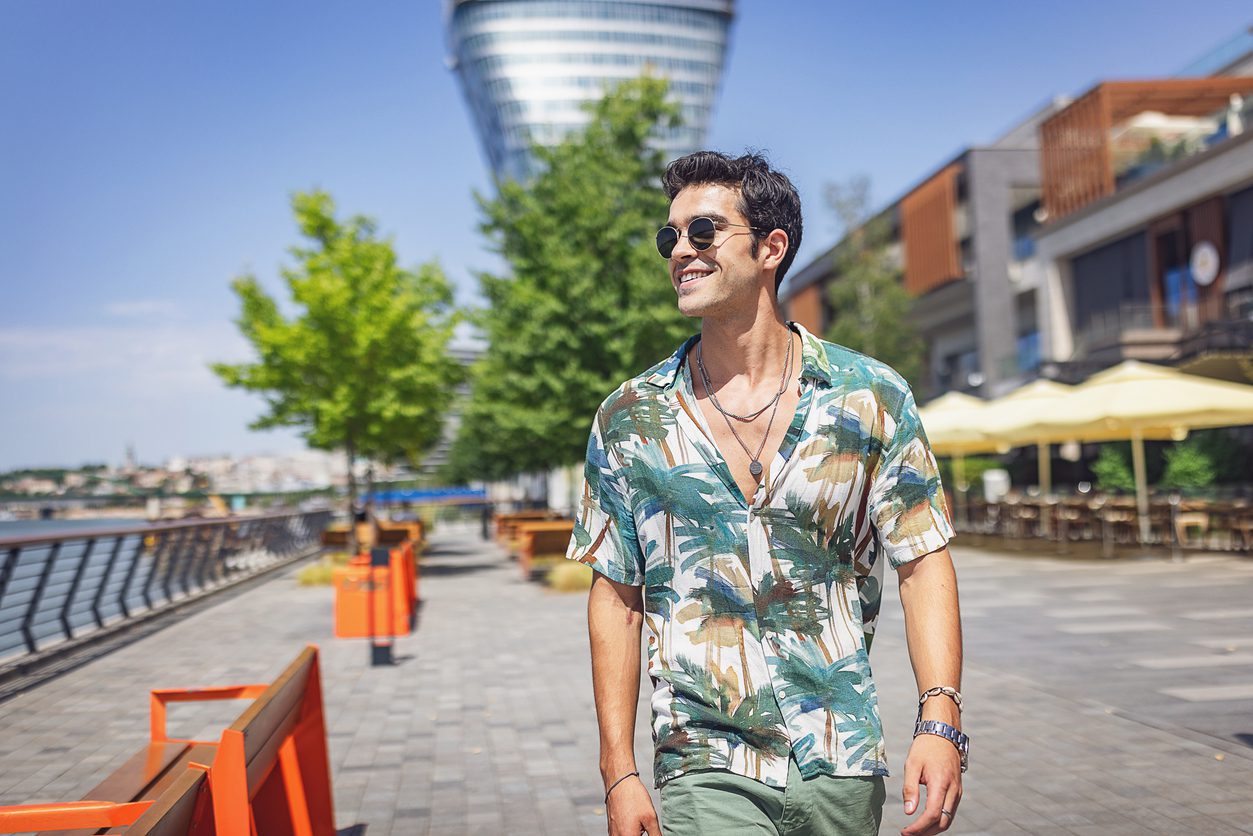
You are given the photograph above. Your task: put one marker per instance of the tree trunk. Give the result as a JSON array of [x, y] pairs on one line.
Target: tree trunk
[[368, 505], [351, 451]]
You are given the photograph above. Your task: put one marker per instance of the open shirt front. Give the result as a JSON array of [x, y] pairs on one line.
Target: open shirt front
[[760, 610]]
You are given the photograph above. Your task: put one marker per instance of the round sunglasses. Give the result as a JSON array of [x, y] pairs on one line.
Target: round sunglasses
[[700, 232]]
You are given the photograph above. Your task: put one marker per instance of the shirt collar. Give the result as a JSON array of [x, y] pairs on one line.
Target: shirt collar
[[815, 364]]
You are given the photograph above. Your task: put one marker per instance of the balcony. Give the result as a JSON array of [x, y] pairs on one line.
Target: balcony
[[1179, 335], [1122, 131], [1135, 331]]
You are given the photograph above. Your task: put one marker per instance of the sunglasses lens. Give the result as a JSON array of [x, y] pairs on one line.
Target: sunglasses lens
[[701, 232], [667, 239]]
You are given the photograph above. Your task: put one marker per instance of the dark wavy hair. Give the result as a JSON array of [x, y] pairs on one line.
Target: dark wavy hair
[[767, 197]]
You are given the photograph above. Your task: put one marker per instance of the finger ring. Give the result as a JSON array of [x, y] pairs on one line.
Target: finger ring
[[946, 813]]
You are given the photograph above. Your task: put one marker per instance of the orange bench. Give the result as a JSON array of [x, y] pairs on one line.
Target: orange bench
[[184, 809], [536, 538], [269, 773]]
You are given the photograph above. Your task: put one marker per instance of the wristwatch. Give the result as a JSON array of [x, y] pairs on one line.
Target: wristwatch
[[952, 735]]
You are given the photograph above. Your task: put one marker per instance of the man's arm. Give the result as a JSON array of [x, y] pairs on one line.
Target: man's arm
[[615, 614], [933, 630]]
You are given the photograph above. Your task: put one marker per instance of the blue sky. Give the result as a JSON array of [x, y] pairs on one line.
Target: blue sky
[[148, 150]]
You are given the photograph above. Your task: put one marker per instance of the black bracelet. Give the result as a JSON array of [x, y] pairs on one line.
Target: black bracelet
[[619, 781]]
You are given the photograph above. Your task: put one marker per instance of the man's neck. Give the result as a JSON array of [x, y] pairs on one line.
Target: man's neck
[[752, 347]]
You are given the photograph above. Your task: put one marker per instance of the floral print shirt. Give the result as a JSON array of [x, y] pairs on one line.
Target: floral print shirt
[[760, 610]]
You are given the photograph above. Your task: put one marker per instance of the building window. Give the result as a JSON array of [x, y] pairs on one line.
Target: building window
[[1029, 352]]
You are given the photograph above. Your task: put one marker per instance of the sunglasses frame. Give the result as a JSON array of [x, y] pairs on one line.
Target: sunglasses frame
[[695, 242]]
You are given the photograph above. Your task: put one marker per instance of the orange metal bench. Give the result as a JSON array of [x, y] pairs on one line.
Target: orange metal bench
[[268, 774], [184, 809]]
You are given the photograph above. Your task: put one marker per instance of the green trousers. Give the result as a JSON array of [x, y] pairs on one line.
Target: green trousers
[[718, 802]]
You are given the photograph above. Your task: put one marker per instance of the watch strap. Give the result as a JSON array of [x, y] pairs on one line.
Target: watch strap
[[949, 733]]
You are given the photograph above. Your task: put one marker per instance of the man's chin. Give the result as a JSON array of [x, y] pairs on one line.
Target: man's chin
[[693, 308]]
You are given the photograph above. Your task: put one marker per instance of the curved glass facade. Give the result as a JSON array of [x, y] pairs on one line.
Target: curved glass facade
[[527, 66]]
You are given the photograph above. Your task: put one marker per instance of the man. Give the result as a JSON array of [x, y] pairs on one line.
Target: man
[[741, 499]]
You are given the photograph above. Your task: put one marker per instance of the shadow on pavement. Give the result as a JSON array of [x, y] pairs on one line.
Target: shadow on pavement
[[449, 569]]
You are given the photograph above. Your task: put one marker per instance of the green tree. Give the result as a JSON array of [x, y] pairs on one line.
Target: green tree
[[1187, 467], [1111, 470], [587, 303], [1232, 459], [363, 366], [870, 303]]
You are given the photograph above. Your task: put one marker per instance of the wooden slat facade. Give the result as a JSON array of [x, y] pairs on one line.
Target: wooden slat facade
[[1076, 165], [929, 232], [806, 308]]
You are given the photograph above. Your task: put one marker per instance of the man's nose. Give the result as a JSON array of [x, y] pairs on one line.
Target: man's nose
[[683, 250]]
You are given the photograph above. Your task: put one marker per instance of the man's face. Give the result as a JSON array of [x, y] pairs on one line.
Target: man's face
[[725, 278]]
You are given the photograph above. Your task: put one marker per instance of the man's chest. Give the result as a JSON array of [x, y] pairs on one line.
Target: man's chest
[[693, 491], [750, 448]]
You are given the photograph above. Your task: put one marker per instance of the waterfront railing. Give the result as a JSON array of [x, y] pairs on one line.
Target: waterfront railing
[[58, 590]]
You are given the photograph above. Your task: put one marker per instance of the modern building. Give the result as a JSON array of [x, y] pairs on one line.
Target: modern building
[[960, 237], [528, 67], [1147, 251], [1118, 225]]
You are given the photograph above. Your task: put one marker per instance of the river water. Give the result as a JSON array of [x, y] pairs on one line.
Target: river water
[[41, 528]]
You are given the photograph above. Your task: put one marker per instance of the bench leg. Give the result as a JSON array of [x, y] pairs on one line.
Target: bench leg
[[297, 804]]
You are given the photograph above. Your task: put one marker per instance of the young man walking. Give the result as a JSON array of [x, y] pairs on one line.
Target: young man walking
[[741, 500]]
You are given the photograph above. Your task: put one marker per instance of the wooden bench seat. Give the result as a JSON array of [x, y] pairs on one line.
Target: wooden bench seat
[[268, 774], [538, 538]]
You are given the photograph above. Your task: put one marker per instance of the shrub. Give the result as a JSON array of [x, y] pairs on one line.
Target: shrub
[[319, 574], [1112, 472], [569, 576], [316, 574], [1187, 467]]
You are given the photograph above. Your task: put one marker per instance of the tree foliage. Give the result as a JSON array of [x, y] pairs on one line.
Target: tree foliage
[[587, 303], [363, 365], [1113, 474], [1188, 467], [871, 306]]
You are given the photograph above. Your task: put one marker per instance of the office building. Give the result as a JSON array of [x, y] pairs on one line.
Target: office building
[[527, 68], [1117, 225], [1147, 251], [960, 237]]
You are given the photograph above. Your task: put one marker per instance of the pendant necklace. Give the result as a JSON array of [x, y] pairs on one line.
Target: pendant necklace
[[754, 465]]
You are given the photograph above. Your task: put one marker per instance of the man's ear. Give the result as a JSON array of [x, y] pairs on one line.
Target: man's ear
[[773, 247]]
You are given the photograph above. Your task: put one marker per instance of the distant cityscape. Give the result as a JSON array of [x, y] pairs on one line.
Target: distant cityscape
[[224, 475]]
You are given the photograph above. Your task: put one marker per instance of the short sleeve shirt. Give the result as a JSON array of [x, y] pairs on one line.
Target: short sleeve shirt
[[760, 610]]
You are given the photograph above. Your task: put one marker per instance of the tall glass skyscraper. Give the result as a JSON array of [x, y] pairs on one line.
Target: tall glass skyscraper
[[527, 66]]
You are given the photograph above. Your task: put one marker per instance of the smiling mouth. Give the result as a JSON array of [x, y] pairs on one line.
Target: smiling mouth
[[684, 278]]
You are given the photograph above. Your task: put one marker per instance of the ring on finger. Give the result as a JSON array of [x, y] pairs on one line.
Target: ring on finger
[[948, 813]]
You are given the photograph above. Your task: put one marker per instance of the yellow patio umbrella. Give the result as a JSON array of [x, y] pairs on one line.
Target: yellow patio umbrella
[[953, 424], [1135, 401], [1006, 416]]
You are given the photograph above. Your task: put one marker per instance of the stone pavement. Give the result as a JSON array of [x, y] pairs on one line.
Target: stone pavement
[[1103, 698]]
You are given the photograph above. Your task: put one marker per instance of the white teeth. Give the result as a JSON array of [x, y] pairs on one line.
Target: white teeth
[[694, 275]]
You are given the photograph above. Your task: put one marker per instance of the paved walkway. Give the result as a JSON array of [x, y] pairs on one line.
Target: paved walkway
[[1104, 698]]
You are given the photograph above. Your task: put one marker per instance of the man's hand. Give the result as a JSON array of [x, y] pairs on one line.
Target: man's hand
[[935, 763], [630, 810]]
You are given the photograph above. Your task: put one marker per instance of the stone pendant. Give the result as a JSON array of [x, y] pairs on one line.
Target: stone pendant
[[755, 468]]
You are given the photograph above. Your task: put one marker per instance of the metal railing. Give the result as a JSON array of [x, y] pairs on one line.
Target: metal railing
[[59, 588]]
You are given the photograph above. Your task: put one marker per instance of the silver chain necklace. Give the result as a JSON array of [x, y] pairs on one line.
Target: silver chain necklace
[[752, 416], [754, 465]]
